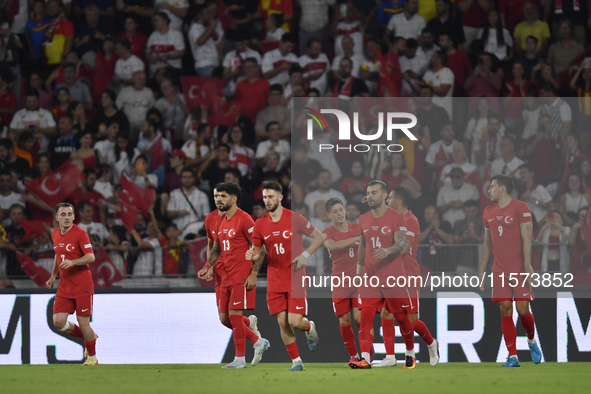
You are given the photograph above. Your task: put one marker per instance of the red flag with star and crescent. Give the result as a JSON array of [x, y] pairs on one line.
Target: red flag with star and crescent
[[31, 227], [56, 186], [204, 91], [35, 271], [129, 213], [198, 253], [137, 196], [104, 272], [156, 151]]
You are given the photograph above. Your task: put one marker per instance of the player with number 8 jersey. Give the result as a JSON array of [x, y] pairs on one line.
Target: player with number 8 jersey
[[280, 231]]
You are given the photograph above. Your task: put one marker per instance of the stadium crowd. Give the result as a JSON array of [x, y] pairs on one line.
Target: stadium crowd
[[103, 84]]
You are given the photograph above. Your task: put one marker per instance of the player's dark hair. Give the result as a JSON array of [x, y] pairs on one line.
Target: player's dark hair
[[273, 186], [332, 202], [83, 205], [6, 143], [504, 180], [383, 185], [61, 205], [403, 194], [231, 188], [471, 203]]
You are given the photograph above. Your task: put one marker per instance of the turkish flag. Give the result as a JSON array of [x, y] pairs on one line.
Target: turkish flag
[[31, 227], [56, 186], [226, 115], [204, 91], [473, 178], [129, 213], [198, 253], [140, 197], [104, 272], [484, 196], [36, 272], [156, 152]]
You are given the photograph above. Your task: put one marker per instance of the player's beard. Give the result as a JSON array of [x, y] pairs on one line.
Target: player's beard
[[273, 208], [377, 205], [225, 208]]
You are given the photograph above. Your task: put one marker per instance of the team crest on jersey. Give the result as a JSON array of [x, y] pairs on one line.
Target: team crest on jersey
[[508, 219], [286, 234], [385, 230]]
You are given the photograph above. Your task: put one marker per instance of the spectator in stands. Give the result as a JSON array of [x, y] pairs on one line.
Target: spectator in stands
[[565, 49], [79, 119], [8, 102], [85, 215], [485, 80], [188, 206], [276, 64], [430, 115], [78, 90], [91, 33], [469, 230], [63, 103], [174, 110], [108, 115], [544, 153], [273, 24], [24, 147], [530, 114], [555, 236], [10, 161], [273, 143], [258, 210], [459, 157], [165, 46], [37, 120], [62, 147], [441, 79], [126, 65], [451, 198], [352, 212], [407, 24], [175, 9], [103, 183], [557, 12], [530, 58], [89, 156], [357, 58], [354, 185], [445, 22], [146, 263], [59, 36], [8, 196], [347, 25], [241, 156], [253, 91], [536, 196], [86, 192], [514, 92], [457, 61], [508, 164], [440, 152], [125, 154], [315, 65], [317, 199], [150, 133], [314, 22], [558, 110], [574, 199], [369, 67], [497, 39], [45, 99], [199, 149], [233, 64], [581, 84], [135, 101], [137, 40], [531, 26], [206, 39], [395, 173], [140, 174], [426, 48], [410, 66], [435, 232], [214, 168], [275, 112], [473, 16], [346, 85], [117, 248], [35, 31]]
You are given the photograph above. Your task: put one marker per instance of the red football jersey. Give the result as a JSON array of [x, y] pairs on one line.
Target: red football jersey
[[413, 231], [378, 234], [212, 222], [233, 236], [75, 281], [505, 233], [283, 241], [344, 261]]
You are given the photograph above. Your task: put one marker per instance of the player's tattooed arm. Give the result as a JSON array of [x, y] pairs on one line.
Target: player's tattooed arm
[[526, 230], [400, 242], [214, 255]]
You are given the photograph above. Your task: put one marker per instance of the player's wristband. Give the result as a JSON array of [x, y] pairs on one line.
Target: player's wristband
[[359, 269], [306, 254], [207, 266]]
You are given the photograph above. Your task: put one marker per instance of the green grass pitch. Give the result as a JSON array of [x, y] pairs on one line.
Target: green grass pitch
[[456, 378]]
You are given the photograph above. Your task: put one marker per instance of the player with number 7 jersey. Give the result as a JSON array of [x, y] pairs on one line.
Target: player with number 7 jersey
[[280, 231]]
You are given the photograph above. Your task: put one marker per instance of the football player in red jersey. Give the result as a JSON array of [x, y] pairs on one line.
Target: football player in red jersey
[[508, 234], [342, 241], [383, 237], [73, 253], [212, 222], [232, 239], [280, 231], [399, 199]]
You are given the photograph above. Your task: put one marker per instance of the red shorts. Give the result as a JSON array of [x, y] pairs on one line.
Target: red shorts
[[502, 289], [342, 306], [81, 305], [282, 301], [236, 297], [414, 305]]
